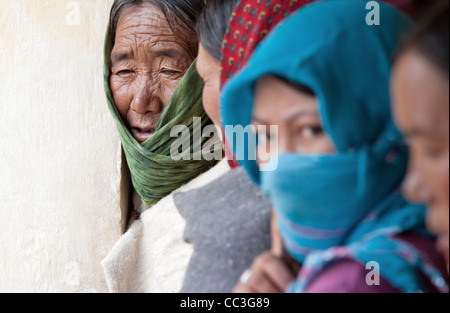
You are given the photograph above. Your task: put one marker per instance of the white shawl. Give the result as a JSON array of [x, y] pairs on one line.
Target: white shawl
[[152, 257]]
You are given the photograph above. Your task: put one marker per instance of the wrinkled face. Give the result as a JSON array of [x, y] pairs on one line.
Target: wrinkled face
[[295, 113], [148, 62], [209, 70], [421, 108]]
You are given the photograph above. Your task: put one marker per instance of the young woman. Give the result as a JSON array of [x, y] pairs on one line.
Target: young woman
[[420, 90], [322, 78]]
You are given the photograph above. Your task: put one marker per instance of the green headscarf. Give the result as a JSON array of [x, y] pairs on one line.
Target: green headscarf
[[154, 173]]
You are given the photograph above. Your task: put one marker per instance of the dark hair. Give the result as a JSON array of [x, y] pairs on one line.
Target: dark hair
[[182, 13], [212, 24], [431, 38]]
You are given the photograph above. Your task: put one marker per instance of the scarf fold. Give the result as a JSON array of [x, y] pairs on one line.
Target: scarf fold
[[343, 205], [154, 173]]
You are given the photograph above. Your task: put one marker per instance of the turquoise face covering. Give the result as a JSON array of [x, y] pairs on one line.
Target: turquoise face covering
[[322, 198]]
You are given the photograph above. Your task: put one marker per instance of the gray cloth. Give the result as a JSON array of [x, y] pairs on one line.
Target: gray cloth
[[228, 223]]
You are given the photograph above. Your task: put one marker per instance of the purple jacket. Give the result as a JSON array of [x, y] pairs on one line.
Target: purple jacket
[[349, 276]]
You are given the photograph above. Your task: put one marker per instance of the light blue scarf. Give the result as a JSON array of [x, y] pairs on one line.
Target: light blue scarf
[[344, 205]]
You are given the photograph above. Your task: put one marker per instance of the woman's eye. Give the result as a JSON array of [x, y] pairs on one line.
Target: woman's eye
[[124, 72], [310, 132], [170, 72]]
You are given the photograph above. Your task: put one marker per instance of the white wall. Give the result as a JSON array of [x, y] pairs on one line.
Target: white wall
[[60, 156]]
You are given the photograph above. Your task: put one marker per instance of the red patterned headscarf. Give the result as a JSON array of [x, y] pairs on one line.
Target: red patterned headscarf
[[249, 24]]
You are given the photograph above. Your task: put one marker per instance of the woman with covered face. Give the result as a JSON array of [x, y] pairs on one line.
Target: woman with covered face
[[340, 160], [420, 89], [152, 86]]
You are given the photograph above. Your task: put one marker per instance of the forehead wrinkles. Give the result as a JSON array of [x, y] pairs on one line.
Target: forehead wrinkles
[[148, 27], [145, 39], [140, 24]]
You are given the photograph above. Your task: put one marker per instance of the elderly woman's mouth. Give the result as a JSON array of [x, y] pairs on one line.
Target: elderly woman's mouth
[[142, 134]]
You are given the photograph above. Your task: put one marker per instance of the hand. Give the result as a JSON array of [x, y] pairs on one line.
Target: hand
[[271, 272], [268, 274]]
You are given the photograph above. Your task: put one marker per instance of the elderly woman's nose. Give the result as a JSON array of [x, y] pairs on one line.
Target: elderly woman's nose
[[145, 99]]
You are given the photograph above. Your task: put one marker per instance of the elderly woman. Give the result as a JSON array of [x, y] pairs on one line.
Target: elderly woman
[[152, 85]]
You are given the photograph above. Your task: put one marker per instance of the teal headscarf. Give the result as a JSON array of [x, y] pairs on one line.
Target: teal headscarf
[[154, 173], [345, 205]]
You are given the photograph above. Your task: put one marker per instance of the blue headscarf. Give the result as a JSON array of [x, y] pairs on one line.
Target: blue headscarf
[[345, 205]]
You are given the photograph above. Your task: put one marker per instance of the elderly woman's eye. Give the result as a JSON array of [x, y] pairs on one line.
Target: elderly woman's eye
[[170, 72], [124, 72]]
